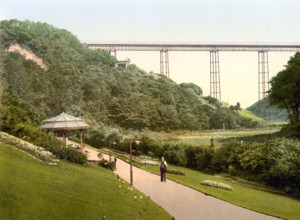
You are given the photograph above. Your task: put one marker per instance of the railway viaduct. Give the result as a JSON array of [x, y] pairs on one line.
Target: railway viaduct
[[213, 49]]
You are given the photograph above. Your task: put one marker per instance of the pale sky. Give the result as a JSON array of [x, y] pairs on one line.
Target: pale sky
[[202, 21]]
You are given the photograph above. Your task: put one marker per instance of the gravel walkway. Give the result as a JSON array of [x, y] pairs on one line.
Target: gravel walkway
[[180, 201]]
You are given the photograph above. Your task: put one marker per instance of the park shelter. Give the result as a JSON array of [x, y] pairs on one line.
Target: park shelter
[[64, 122]]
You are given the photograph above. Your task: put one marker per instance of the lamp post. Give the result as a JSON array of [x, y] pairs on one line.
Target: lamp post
[[131, 171], [111, 141]]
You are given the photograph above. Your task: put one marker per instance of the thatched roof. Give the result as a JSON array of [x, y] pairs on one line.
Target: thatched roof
[[64, 122]]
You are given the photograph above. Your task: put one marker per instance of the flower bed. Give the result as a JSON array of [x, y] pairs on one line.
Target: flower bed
[[216, 184], [148, 162], [35, 151], [177, 172]]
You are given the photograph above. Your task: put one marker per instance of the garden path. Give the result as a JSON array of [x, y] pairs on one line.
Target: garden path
[[180, 201]]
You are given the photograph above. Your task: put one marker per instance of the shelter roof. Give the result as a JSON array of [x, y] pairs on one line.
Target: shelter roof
[[64, 122]]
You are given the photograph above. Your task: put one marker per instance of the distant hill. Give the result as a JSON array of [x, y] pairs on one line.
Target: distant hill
[[276, 114], [51, 71]]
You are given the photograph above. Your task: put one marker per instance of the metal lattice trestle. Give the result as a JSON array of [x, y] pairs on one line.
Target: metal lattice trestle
[[263, 83], [215, 86], [164, 63]]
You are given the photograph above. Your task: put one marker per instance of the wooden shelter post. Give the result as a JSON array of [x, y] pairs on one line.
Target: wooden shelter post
[[81, 146], [64, 136]]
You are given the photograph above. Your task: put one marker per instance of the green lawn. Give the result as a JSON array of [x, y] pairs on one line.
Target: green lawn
[[30, 189], [278, 205], [250, 198]]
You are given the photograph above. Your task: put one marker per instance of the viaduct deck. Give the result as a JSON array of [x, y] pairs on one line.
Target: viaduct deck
[[195, 47]]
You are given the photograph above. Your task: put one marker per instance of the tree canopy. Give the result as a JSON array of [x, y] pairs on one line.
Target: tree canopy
[[285, 90]]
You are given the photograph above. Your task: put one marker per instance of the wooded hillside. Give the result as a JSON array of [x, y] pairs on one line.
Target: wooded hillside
[[86, 83]]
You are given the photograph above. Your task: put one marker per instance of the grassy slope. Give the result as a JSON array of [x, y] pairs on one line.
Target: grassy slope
[[258, 200], [248, 114], [245, 113], [30, 189]]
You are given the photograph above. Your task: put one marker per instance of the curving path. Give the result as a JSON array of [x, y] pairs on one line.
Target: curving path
[[180, 201]]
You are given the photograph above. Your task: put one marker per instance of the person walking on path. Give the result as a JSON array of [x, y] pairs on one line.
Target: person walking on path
[[115, 160], [163, 169]]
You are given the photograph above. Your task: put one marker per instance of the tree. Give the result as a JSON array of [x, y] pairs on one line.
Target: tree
[[213, 101], [194, 87], [285, 90], [238, 106]]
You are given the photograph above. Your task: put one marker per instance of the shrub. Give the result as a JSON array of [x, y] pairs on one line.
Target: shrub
[[190, 153], [228, 156], [95, 137], [50, 142], [176, 155], [151, 155], [108, 165], [203, 159], [147, 145], [213, 101], [100, 155], [74, 156], [275, 162]]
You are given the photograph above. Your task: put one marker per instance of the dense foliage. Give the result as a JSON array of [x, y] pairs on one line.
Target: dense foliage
[[85, 82], [285, 90], [275, 162], [18, 119], [193, 88]]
